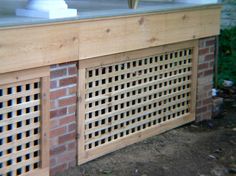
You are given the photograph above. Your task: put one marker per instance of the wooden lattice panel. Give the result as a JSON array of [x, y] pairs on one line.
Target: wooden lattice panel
[[21, 126], [126, 101]]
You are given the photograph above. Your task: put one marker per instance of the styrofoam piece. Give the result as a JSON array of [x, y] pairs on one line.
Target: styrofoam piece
[[52, 14]]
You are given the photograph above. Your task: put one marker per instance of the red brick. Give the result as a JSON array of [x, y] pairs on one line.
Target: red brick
[[200, 75], [57, 94], [207, 101], [53, 84], [53, 142], [72, 163], [72, 109], [208, 72], [67, 101], [58, 132], [68, 81], [203, 51], [58, 169], [58, 150], [58, 73], [72, 146], [210, 42], [54, 123], [67, 119], [72, 70], [212, 49], [58, 112], [67, 156], [202, 66], [65, 138], [53, 104], [72, 127], [209, 57], [208, 87], [72, 90], [52, 162], [202, 109]]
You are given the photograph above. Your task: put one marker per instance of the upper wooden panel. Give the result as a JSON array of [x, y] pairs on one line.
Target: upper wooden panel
[[35, 46]]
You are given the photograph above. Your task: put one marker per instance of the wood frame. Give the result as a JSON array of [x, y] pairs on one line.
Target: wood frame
[[48, 44], [85, 156], [43, 75]]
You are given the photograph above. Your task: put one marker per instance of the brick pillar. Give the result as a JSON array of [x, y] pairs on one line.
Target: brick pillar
[[205, 78], [63, 117]]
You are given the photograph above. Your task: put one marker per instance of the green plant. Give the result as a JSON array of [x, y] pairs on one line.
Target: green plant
[[227, 56]]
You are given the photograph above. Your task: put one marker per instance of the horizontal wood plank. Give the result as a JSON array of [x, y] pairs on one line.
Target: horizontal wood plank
[[36, 46]]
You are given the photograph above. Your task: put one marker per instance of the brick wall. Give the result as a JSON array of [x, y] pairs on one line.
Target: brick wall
[[205, 78], [63, 117]]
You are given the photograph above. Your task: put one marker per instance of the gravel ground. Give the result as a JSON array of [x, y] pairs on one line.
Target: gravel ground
[[206, 149]]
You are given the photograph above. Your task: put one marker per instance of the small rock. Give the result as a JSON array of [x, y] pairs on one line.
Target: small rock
[[232, 170], [212, 156], [219, 150], [234, 129], [210, 125], [219, 171], [194, 126], [105, 171]]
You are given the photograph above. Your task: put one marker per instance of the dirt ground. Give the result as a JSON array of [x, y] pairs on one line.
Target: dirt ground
[[206, 149]]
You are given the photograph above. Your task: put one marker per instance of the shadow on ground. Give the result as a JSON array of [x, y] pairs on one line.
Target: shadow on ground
[[206, 149]]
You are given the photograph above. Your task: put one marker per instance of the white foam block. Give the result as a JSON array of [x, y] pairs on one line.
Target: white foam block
[[52, 14]]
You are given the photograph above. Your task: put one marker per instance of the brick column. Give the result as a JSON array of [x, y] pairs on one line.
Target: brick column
[[205, 78], [63, 117]]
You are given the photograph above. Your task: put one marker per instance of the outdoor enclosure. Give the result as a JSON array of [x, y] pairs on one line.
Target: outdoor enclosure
[[128, 97], [74, 89], [24, 123]]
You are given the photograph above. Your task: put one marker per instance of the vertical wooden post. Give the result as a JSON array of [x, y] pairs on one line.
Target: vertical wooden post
[[45, 125]]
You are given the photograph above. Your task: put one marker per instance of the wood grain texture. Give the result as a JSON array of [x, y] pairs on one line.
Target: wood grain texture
[[35, 46], [24, 115], [127, 97]]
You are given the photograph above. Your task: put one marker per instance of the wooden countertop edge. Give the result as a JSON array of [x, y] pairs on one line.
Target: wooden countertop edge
[[44, 45], [208, 6]]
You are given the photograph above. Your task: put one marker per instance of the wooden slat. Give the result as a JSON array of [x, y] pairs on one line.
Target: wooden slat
[[16, 143], [45, 121], [23, 75], [127, 99], [36, 46], [118, 105], [26, 131], [131, 108], [81, 113], [133, 117], [117, 83], [129, 55], [20, 106], [123, 142], [142, 67]]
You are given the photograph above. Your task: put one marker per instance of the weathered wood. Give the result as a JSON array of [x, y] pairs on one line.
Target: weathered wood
[[30, 47]]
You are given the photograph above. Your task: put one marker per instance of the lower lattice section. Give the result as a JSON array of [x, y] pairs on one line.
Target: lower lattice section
[[21, 127], [131, 99]]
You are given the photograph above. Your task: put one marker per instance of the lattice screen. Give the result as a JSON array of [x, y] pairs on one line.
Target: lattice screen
[[132, 97], [20, 127]]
